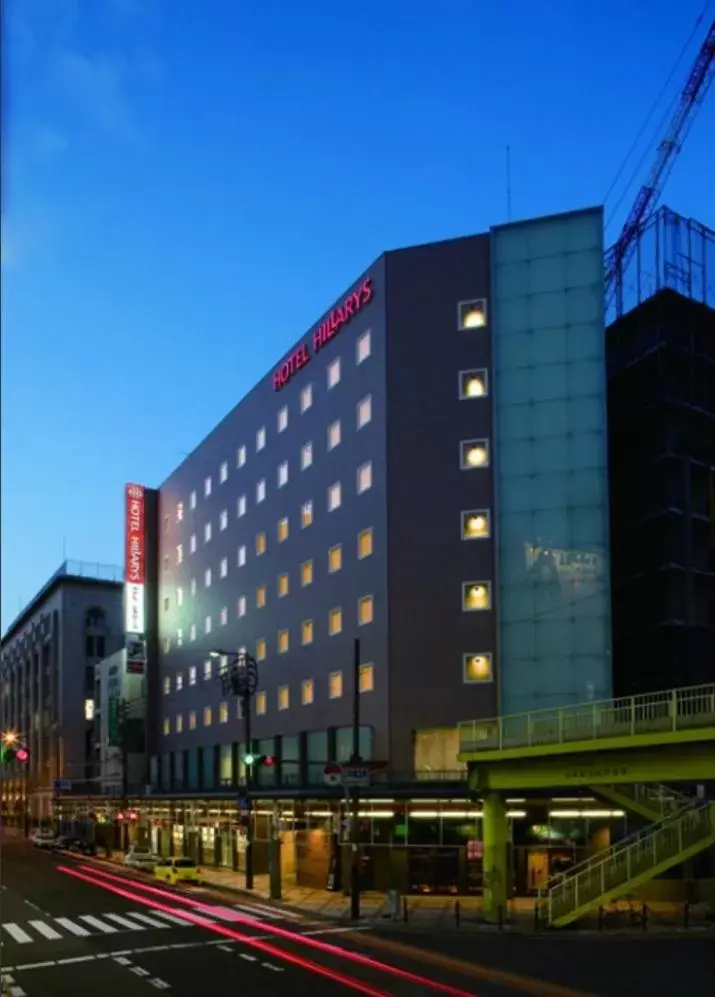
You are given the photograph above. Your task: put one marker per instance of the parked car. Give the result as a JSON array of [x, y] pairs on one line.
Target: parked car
[[141, 859], [79, 846], [43, 837], [178, 871]]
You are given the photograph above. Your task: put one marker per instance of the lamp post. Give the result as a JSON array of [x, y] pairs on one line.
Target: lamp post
[[239, 677]]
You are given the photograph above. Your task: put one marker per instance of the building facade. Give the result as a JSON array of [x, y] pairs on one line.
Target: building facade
[[120, 713], [47, 682]]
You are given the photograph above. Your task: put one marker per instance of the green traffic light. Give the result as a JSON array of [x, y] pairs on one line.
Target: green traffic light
[[249, 759]]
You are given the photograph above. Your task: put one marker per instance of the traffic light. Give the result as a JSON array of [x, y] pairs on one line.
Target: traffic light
[[10, 753], [251, 759]]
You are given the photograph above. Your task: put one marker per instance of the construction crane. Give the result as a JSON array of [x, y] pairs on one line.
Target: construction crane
[[693, 93]]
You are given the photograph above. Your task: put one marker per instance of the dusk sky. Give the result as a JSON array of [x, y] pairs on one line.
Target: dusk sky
[[188, 184]]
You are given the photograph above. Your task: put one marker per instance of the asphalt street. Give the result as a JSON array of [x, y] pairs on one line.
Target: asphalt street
[[69, 926]]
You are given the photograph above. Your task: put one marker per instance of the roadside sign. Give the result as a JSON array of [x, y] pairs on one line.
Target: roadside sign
[[62, 785], [357, 776], [243, 804], [333, 774]]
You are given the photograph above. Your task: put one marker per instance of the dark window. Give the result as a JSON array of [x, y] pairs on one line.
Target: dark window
[[89, 646], [100, 646]]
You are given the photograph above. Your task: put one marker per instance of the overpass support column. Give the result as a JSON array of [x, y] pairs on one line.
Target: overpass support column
[[495, 862]]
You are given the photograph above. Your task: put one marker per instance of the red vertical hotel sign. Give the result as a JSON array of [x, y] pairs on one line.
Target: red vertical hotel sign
[[134, 560]]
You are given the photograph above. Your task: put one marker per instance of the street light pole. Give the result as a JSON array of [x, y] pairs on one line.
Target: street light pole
[[246, 710]]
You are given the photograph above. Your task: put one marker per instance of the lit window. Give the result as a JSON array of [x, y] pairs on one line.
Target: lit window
[[179, 511], [283, 697], [306, 456], [283, 529], [241, 605], [241, 506], [364, 477], [261, 649], [334, 496], [364, 543], [166, 562], [283, 641], [475, 524], [192, 719], [333, 434], [473, 384], [223, 616], [335, 685], [223, 713], [179, 597], [306, 398], [167, 685], [207, 532], [89, 709], [208, 716], [260, 596], [335, 621], [261, 490], [364, 411], [476, 596], [179, 723], [283, 585], [335, 558], [306, 514], [207, 625], [192, 586], [306, 632], [365, 610], [307, 692], [223, 519], [223, 567], [306, 573], [167, 725], [207, 578], [167, 603], [208, 668], [473, 453], [241, 455], [260, 703], [207, 486], [223, 472], [334, 373], [283, 474], [241, 556], [472, 314], [192, 675], [179, 681], [260, 544], [260, 439], [477, 667], [282, 419], [192, 632], [179, 637], [363, 347], [192, 500], [192, 544], [179, 553], [367, 678]]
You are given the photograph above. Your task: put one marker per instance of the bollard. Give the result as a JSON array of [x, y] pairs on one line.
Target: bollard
[[644, 917], [457, 913], [686, 914], [404, 910], [599, 918], [500, 920], [536, 916]]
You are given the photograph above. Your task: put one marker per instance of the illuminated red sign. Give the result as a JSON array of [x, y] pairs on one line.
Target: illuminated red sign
[[327, 330], [135, 551]]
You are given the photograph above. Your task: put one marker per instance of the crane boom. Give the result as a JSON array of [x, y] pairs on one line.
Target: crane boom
[[700, 77]]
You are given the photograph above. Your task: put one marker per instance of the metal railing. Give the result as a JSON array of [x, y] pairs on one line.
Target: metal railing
[[660, 799], [615, 867], [651, 713]]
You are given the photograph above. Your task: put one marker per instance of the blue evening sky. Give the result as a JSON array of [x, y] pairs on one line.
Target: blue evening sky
[[188, 183]]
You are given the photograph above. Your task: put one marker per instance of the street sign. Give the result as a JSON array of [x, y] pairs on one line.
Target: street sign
[[356, 776], [243, 804], [333, 774], [62, 785]]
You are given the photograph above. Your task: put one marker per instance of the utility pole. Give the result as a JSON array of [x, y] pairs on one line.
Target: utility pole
[[355, 759], [248, 805]]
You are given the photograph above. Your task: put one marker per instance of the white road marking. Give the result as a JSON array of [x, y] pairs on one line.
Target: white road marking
[[16, 932], [226, 914], [272, 911], [72, 927], [122, 960], [151, 921], [74, 959], [224, 948], [268, 965], [16, 991], [45, 930], [140, 971], [124, 922], [159, 984], [332, 931], [94, 922], [35, 907], [247, 957], [173, 918]]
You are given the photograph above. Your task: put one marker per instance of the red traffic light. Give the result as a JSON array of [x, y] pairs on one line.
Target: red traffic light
[[22, 754], [269, 760]]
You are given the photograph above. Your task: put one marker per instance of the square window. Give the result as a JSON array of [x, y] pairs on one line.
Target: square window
[[260, 544], [283, 529], [223, 519], [260, 703], [166, 603], [364, 477], [335, 558], [241, 556], [282, 419], [283, 474], [260, 596], [207, 486], [179, 637], [334, 496], [167, 685], [306, 456], [333, 434], [192, 632], [365, 610], [207, 625], [364, 543], [223, 616], [241, 605], [363, 347], [476, 596], [306, 632], [334, 373], [223, 567], [179, 723], [473, 454], [167, 645], [167, 725], [192, 719], [335, 621], [207, 578], [477, 667], [223, 472], [241, 455], [192, 586], [179, 597], [472, 314], [208, 668], [208, 716], [306, 573], [306, 398], [261, 649], [207, 532], [367, 678], [223, 713], [241, 506], [179, 553], [335, 685], [192, 544], [473, 384], [179, 511], [192, 500], [364, 411], [476, 524], [283, 697], [179, 681], [307, 692], [192, 675], [306, 514], [283, 641], [283, 585], [167, 524], [261, 491], [260, 439]]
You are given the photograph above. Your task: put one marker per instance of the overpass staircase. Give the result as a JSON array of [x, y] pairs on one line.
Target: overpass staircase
[[652, 801], [627, 865]]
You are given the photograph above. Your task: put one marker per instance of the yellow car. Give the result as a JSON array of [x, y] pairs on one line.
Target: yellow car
[[178, 871]]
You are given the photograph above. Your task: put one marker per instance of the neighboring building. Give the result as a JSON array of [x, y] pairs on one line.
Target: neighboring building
[[47, 680], [661, 363], [120, 727]]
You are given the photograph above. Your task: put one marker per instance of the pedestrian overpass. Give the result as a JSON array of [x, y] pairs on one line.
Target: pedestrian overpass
[[628, 751]]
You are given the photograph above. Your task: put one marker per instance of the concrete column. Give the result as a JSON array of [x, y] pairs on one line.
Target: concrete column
[[495, 860]]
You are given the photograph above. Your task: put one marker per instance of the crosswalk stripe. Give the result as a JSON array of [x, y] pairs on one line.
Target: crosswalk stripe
[[75, 929], [152, 921], [16, 932], [258, 912], [227, 914], [94, 922], [45, 929], [271, 911], [172, 917], [124, 922]]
